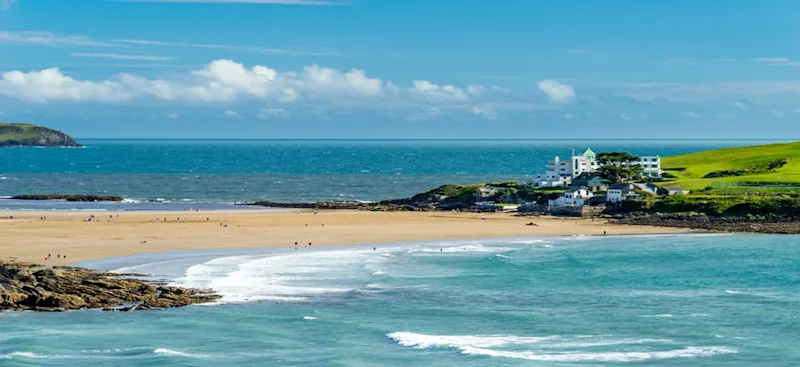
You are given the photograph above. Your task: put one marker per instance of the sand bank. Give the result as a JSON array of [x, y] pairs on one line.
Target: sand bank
[[29, 238]]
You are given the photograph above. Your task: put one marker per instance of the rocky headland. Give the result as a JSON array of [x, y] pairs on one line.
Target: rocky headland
[[60, 288], [27, 135]]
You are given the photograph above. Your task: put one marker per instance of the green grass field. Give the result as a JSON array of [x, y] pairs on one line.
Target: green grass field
[[10, 131], [763, 166]]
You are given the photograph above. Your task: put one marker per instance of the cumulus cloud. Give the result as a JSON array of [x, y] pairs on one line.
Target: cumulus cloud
[[485, 113], [272, 113], [624, 115], [428, 91], [557, 91], [499, 89], [52, 85], [568, 116], [692, 114], [225, 81]]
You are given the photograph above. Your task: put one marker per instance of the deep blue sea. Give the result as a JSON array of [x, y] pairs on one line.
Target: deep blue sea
[[679, 300], [209, 172]]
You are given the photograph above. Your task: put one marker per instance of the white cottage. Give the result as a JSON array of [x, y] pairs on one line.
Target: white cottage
[[574, 196]]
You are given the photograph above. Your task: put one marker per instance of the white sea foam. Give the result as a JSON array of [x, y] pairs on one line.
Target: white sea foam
[[666, 315], [286, 277], [503, 256], [688, 352], [174, 353], [467, 248], [378, 273], [309, 318], [546, 348]]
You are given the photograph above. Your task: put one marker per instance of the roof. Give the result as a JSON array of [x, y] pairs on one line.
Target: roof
[[621, 186], [588, 152], [577, 188], [672, 188]]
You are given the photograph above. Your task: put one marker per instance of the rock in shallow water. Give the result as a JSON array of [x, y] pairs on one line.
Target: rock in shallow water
[[40, 288]]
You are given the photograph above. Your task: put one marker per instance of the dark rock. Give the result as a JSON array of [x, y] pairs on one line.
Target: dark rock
[[759, 224], [37, 288], [68, 197]]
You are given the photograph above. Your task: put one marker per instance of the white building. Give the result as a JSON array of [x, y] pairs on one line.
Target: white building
[[560, 172], [575, 196], [620, 192], [651, 166]]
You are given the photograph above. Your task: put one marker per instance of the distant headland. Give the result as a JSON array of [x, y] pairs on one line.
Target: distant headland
[[27, 135]]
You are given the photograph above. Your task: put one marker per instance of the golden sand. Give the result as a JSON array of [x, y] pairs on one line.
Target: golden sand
[[29, 238]]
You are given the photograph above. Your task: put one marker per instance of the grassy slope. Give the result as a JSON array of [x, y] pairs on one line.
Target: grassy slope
[[699, 164], [29, 132]]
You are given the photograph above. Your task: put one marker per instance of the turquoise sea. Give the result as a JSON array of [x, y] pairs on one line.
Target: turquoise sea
[[208, 173], [679, 300]]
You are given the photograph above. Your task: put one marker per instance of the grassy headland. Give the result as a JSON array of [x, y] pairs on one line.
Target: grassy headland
[[755, 167], [28, 135]]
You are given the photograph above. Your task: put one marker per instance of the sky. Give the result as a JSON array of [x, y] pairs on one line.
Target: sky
[[398, 69]]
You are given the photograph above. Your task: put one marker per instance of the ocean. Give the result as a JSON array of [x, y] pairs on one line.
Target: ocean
[[215, 173], [677, 300], [673, 300]]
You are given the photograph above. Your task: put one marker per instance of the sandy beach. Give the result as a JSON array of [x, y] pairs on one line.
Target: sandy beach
[[27, 237]]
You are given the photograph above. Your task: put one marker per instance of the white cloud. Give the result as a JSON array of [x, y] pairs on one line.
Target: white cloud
[[485, 113], [426, 90], [231, 113], [172, 116], [122, 56], [624, 115], [746, 92], [777, 114], [52, 85], [426, 114], [556, 91], [796, 110], [269, 2], [48, 39], [692, 114], [476, 89], [568, 116], [5, 4], [223, 81], [272, 113]]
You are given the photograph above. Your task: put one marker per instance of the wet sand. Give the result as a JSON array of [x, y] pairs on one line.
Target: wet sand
[[28, 238]]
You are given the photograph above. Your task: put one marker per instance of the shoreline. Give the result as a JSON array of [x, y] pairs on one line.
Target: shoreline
[[112, 235]]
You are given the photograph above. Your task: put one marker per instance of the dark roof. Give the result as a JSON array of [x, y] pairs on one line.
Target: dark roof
[[625, 188], [672, 188]]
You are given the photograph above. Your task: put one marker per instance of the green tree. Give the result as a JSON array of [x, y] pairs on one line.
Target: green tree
[[619, 167]]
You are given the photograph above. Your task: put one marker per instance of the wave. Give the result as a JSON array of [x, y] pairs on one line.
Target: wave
[[666, 315], [468, 248], [309, 318], [174, 353], [483, 346]]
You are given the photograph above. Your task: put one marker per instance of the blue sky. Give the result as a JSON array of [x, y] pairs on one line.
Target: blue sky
[[403, 68]]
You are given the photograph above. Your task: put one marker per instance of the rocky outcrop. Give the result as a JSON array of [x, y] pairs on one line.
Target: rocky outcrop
[[39, 288], [756, 224], [26, 135], [68, 197]]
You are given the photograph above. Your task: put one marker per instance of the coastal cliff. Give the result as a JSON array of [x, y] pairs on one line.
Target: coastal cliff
[[27, 135], [39, 288]]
